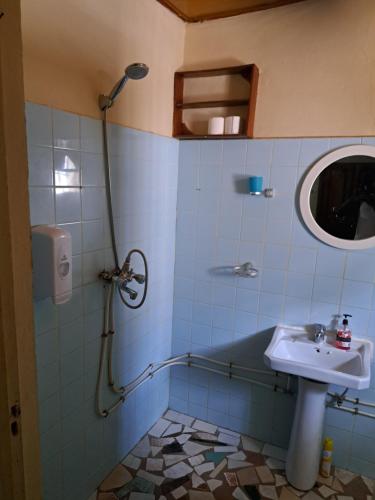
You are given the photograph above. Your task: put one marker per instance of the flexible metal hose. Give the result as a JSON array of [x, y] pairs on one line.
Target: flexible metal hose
[[108, 187]]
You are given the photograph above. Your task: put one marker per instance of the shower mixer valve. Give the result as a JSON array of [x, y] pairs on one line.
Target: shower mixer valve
[[124, 276]]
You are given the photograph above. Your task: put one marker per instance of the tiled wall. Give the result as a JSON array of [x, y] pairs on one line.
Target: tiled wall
[[67, 188], [301, 280]]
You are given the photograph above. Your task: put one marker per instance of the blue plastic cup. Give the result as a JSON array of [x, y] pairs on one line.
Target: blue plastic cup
[[255, 184]]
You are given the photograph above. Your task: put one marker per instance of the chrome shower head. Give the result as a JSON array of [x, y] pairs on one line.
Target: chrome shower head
[[135, 71]]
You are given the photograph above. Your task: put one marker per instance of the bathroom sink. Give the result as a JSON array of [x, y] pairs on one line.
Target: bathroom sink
[[292, 350]]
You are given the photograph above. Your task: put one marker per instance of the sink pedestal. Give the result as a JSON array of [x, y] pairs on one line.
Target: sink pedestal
[[305, 447]]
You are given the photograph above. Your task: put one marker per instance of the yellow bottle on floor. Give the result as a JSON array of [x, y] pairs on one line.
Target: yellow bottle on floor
[[326, 462]]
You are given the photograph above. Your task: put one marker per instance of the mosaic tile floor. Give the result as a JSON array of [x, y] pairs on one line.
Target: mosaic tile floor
[[186, 458]]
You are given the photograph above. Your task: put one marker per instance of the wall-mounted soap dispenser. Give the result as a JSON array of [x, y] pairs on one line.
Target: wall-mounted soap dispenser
[[52, 263]]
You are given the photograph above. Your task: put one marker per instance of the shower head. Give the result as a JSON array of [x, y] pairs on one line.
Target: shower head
[[135, 71]]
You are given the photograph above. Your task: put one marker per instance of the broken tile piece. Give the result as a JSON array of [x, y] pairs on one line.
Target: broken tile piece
[[155, 450], [216, 458], [325, 491], [173, 459], [172, 448], [179, 492], [116, 479], [280, 480], [237, 464], [369, 483], [228, 439], [204, 426], [228, 431], [163, 441], [196, 460], [345, 476], [153, 478], [137, 484], [160, 427], [286, 494], [239, 494], [206, 436], [132, 462], [337, 486], [189, 430], [325, 480], [172, 484], [274, 463], [247, 476], [178, 470], [143, 448], [268, 491], [179, 418], [218, 469], [182, 438], [270, 450], [311, 495], [265, 474], [196, 480], [173, 429], [141, 496], [154, 464], [206, 467], [225, 449], [214, 483], [250, 444], [296, 492], [231, 478], [200, 495], [339, 497], [192, 449], [240, 455]]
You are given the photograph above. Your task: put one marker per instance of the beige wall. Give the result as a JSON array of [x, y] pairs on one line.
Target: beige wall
[[316, 61], [316, 58], [76, 49]]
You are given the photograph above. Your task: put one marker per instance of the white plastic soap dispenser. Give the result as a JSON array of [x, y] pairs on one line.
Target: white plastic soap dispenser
[[52, 263]]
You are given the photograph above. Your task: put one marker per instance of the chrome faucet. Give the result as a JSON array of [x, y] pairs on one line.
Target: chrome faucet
[[319, 333]]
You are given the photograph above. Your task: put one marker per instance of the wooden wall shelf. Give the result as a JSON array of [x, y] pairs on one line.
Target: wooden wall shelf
[[249, 72]]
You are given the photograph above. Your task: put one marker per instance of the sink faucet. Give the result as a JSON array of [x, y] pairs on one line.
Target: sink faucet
[[319, 333]]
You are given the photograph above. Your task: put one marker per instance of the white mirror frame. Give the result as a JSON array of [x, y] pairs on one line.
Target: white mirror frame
[[304, 198]]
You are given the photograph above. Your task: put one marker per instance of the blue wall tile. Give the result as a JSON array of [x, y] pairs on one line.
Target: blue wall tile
[[300, 280], [78, 447]]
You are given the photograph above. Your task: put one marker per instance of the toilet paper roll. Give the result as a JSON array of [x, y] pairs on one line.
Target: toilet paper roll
[[216, 125], [232, 125]]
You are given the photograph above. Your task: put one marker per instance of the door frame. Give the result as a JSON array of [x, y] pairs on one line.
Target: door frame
[[19, 436]]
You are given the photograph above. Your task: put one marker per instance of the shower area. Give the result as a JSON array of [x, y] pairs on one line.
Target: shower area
[[104, 357], [114, 190]]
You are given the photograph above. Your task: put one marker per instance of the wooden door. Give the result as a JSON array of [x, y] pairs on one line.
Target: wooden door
[[19, 440]]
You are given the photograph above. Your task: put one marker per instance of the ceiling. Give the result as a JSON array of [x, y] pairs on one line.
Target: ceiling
[[202, 10]]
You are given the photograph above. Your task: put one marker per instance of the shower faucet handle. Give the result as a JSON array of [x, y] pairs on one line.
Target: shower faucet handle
[[139, 278]]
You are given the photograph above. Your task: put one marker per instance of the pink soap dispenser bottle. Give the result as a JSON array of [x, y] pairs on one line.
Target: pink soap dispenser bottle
[[344, 334]]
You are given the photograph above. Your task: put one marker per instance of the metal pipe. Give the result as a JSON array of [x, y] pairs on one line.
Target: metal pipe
[[233, 365], [355, 401], [355, 411]]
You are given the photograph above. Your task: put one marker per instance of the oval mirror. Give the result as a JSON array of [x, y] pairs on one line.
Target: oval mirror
[[337, 198]]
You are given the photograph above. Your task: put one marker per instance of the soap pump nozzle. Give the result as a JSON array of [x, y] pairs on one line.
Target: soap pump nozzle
[[345, 320]]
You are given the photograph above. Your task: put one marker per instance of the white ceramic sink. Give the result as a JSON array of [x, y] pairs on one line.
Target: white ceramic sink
[[293, 350]]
